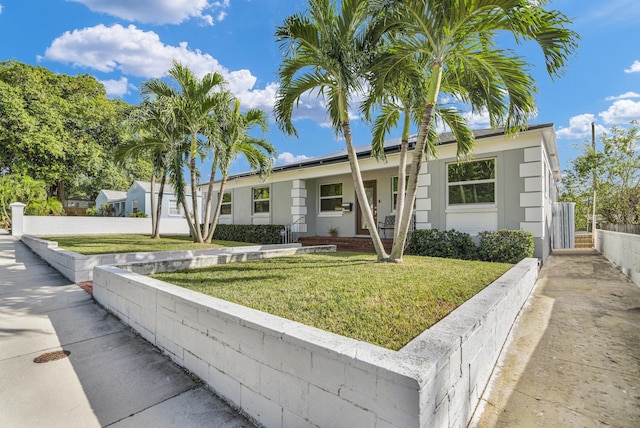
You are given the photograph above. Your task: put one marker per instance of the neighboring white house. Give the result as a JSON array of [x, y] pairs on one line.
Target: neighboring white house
[[138, 199], [115, 198], [508, 183]]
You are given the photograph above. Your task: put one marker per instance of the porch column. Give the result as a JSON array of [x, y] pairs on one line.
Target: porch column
[[423, 201], [298, 207], [532, 199]]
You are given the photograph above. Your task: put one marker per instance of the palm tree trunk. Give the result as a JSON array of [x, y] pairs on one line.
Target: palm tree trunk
[[360, 193], [194, 196], [207, 210], [416, 163], [187, 214], [156, 232], [402, 171], [216, 215], [154, 218]]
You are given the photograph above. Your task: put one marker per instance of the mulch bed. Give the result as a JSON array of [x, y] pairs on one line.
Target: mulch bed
[[87, 286]]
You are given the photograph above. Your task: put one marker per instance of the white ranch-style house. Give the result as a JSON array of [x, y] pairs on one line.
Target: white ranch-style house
[[508, 183], [138, 199]]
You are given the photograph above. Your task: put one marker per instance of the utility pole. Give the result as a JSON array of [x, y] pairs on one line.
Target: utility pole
[[595, 162]]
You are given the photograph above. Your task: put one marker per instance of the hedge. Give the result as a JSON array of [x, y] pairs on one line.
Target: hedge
[[262, 234], [503, 246]]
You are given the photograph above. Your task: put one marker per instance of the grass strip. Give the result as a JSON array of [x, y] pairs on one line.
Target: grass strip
[[347, 293], [109, 244]]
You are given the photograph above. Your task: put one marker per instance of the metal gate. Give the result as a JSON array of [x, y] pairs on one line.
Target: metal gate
[[564, 227]]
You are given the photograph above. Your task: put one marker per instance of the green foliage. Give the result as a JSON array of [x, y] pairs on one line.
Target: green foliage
[[505, 246], [616, 166], [91, 212], [139, 214], [442, 243], [32, 193], [62, 130], [263, 234]]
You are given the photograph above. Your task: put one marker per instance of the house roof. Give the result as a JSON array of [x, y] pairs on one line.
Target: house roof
[[393, 146], [168, 188], [114, 195]]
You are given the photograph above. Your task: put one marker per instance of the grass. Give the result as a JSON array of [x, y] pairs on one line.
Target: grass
[[107, 244], [346, 293]]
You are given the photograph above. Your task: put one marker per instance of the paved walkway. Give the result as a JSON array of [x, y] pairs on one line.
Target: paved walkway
[[111, 377], [574, 357]]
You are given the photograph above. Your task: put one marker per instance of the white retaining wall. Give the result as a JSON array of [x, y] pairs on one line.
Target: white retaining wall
[[76, 225], [79, 268], [286, 374], [621, 249]]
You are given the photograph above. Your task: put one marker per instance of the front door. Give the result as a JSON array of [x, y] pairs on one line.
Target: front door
[[372, 196]]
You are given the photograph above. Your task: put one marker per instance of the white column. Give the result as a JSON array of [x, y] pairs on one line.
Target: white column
[[298, 206], [423, 201], [17, 218]]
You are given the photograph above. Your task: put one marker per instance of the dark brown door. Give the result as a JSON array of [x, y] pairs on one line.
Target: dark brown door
[[371, 192]]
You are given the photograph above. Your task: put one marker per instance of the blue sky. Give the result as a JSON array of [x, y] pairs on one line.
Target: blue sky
[[123, 43]]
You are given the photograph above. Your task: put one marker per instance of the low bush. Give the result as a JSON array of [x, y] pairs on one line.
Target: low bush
[[442, 243], [505, 246], [262, 234]]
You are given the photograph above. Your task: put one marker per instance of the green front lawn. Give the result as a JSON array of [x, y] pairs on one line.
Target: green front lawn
[[107, 244], [346, 293]]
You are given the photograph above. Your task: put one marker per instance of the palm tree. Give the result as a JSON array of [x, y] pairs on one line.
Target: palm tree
[[326, 50], [233, 129], [458, 37], [192, 103], [157, 136]]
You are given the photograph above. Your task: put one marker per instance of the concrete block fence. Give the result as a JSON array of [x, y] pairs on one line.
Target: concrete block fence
[[621, 249], [286, 374], [79, 268]]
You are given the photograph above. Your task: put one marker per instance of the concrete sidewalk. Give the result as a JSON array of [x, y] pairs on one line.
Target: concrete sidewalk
[[111, 377], [573, 359]]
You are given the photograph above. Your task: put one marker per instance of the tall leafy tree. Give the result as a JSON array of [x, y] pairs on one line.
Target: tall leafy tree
[[616, 169], [326, 50], [193, 102], [234, 129], [459, 39]]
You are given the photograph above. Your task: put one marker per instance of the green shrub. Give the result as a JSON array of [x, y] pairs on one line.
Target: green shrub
[[139, 214], [505, 246], [262, 234], [442, 243]]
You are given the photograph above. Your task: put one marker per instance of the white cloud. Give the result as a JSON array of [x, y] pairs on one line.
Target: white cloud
[[287, 158], [159, 11], [141, 53], [624, 96], [579, 127], [621, 111], [117, 88], [635, 67], [1, 7]]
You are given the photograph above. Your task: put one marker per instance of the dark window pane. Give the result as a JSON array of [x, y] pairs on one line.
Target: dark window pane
[[225, 209], [331, 190], [261, 193], [483, 193], [472, 171], [331, 204], [261, 207]]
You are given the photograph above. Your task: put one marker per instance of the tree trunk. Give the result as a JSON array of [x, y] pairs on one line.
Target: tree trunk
[[194, 195], [154, 218], [360, 194], [416, 163], [206, 233], [402, 171], [156, 231], [187, 215], [216, 215]]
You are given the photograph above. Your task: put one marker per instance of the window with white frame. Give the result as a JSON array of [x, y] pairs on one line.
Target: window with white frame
[[174, 207], [261, 200], [225, 207], [331, 197], [472, 182], [394, 191]]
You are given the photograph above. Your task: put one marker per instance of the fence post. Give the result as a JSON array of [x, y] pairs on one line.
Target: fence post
[[17, 218]]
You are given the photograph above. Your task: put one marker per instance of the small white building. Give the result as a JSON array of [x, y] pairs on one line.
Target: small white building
[[138, 199]]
